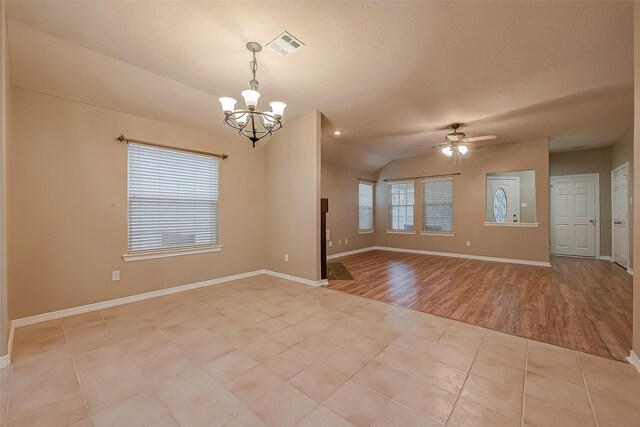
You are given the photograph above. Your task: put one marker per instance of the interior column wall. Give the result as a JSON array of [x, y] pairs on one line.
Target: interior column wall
[[5, 127], [292, 180], [636, 186]]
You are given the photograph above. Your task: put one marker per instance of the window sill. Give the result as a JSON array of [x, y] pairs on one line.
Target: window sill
[[177, 252], [365, 231], [512, 224], [400, 232], [435, 233]]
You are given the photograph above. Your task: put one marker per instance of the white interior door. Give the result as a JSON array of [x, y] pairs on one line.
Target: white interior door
[[503, 199], [620, 215], [573, 215]]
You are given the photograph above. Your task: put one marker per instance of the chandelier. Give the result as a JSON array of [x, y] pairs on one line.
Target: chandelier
[[251, 122]]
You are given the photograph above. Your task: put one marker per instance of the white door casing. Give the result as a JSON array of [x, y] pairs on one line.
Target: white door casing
[[575, 215], [620, 215], [511, 187]]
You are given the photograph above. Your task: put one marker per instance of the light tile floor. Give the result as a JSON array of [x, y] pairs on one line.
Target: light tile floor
[[264, 351]]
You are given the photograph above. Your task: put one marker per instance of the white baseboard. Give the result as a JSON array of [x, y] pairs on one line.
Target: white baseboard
[[633, 359], [605, 257], [16, 323], [4, 361], [353, 252], [630, 271], [297, 279], [454, 255]]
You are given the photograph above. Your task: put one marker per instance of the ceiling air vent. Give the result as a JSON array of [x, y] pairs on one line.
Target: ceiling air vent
[[285, 44]]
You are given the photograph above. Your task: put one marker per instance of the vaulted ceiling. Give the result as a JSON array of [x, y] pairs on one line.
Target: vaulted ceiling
[[390, 76]]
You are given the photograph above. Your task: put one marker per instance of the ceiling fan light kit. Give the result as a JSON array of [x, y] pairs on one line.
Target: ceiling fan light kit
[[457, 143], [251, 122]]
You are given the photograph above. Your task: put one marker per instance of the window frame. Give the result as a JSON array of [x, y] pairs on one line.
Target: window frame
[[163, 252], [390, 205], [373, 204], [424, 230]]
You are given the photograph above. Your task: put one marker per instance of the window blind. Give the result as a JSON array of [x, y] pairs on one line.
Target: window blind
[[173, 199], [365, 206], [401, 206], [438, 205]]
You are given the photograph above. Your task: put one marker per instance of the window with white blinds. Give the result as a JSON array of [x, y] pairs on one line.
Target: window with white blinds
[[438, 205], [365, 206], [173, 199], [401, 206]]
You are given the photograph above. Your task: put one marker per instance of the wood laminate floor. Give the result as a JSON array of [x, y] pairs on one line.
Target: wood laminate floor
[[581, 304]]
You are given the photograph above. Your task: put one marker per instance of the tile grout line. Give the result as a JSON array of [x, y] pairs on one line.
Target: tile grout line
[[524, 385], [584, 380], [137, 368], [75, 368], [475, 356]]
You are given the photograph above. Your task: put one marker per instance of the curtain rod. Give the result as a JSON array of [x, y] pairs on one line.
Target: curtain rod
[[368, 180], [421, 177], [123, 138]]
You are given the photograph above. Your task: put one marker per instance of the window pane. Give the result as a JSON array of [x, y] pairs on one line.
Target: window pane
[[438, 205], [365, 208], [401, 206], [173, 199]]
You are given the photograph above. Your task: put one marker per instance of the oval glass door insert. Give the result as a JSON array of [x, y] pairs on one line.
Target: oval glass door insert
[[500, 205]]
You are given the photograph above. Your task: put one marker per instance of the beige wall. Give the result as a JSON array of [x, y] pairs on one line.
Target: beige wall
[[636, 186], [340, 186], [469, 203], [621, 153], [590, 161], [5, 95], [293, 202], [68, 206]]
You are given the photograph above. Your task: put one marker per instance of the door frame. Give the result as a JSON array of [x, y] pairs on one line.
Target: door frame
[[517, 178], [597, 210], [630, 240]]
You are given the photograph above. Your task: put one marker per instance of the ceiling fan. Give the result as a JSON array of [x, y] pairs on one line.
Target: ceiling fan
[[457, 143]]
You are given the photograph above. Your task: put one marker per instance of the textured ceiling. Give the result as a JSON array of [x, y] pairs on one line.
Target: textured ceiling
[[390, 76]]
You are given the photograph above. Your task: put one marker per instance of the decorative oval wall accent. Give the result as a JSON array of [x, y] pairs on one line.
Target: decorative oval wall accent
[[500, 205]]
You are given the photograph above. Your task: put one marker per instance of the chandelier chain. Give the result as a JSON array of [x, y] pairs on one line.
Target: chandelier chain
[[254, 68]]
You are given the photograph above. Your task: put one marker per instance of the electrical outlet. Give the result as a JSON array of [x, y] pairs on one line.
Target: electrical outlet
[[346, 240], [339, 242], [115, 276], [330, 243], [468, 242], [286, 257]]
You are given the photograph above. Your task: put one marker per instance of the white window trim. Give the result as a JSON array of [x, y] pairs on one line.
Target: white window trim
[[512, 224], [373, 206], [390, 205], [424, 232], [400, 232], [170, 253], [435, 233]]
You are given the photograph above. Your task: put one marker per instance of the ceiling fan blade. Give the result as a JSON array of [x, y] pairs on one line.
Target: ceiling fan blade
[[481, 138]]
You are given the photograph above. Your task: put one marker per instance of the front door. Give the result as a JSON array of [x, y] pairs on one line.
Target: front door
[[620, 215], [503, 199], [573, 215]]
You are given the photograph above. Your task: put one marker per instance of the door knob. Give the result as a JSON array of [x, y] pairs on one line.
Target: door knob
[[592, 221]]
